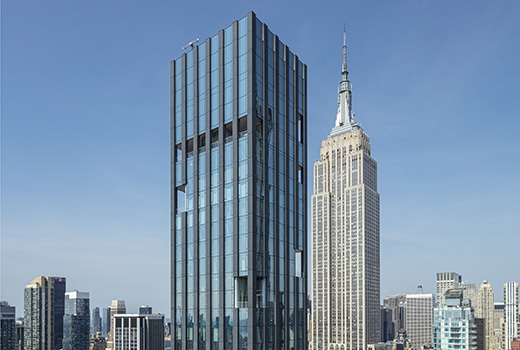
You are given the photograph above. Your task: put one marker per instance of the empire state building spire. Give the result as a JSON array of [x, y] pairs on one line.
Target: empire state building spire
[[345, 230], [344, 71], [345, 118]]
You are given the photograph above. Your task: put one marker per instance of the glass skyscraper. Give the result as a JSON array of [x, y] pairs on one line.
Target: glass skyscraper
[[95, 321], [239, 130], [76, 322], [345, 235]]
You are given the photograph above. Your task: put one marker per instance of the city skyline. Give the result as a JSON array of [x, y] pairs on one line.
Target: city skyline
[[85, 134]]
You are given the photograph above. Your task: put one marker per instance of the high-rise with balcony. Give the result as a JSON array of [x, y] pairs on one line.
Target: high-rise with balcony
[[345, 234], [44, 307], [238, 121], [454, 326]]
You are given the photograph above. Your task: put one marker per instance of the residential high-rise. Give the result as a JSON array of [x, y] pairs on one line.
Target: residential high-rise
[[511, 326], [116, 307], [454, 323], [76, 322], [138, 332], [239, 245], [44, 307], [445, 281], [95, 321], [486, 310], [7, 326], [345, 234]]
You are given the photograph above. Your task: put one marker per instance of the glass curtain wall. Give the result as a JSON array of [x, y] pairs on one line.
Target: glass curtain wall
[[238, 192]]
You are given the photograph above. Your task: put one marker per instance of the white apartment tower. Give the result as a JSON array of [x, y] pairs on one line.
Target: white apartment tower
[[486, 309], [511, 327], [345, 229], [445, 281]]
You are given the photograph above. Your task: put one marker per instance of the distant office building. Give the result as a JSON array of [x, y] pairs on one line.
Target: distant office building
[[239, 192], [76, 322], [395, 313], [97, 342], [105, 326], [454, 323], [412, 314], [445, 281], [138, 332], [145, 310], [511, 319], [485, 309], [95, 322], [7, 326], [44, 307], [168, 342], [167, 326], [480, 333], [116, 307], [345, 234], [499, 319], [418, 318], [402, 342], [19, 334], [387, 325], [470, 293]]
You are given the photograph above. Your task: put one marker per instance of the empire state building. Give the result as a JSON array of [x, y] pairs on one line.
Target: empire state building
[[345, 235]]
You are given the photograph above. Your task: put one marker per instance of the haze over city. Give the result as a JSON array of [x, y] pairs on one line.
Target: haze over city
[[86, 134]]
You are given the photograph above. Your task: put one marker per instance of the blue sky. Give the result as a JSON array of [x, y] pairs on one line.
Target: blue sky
[[85, 133]]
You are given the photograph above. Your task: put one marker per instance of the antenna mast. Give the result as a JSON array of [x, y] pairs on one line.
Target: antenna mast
[[190, 44]]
